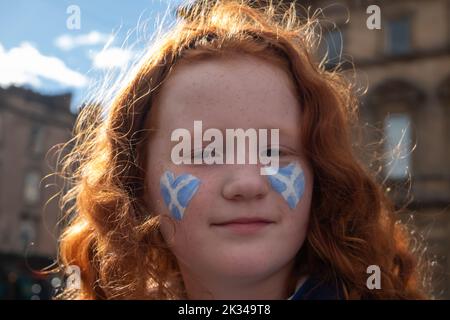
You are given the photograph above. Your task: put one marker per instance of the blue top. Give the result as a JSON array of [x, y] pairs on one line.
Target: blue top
[[314, 289]]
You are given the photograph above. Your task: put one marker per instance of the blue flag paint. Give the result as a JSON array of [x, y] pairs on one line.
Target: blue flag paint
[[178, 192], [289, 181]]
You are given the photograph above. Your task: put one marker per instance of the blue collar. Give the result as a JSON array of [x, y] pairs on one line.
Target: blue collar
[[315, 289]]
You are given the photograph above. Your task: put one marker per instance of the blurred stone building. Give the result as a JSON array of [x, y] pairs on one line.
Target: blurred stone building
[[30, 125], [405, 114]]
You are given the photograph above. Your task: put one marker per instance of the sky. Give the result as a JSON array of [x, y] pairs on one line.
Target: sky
[[59, 46]]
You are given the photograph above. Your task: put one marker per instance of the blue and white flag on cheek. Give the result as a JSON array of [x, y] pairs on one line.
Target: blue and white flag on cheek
[[289, 181], [178, 192]]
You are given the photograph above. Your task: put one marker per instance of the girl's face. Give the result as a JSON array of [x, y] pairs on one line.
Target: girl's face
[[229, 93]]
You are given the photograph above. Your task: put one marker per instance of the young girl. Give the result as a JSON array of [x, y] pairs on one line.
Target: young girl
[[144, 226]]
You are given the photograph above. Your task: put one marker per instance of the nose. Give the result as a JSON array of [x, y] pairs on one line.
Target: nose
[[245, 183]]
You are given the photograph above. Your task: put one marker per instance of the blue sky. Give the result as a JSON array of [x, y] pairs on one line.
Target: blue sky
[[39, 51]]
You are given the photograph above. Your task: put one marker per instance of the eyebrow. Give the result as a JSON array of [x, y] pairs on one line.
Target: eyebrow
[[222, 129]]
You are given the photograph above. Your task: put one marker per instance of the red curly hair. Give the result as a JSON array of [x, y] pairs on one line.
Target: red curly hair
[[115, 240]]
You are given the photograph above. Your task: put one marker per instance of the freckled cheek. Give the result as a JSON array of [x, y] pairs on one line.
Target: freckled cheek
[[152, 198], [295, 225], [300, 216], [190, 230], [199, 210]]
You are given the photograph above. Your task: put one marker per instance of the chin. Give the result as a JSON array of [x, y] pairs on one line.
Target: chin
[[247, 266]]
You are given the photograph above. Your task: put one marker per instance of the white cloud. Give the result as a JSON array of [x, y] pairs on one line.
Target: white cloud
[[68, 42], [113, 57], [26, 65]]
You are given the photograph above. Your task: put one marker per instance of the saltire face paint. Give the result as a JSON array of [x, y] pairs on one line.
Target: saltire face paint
[[178, 192], [289, 181]]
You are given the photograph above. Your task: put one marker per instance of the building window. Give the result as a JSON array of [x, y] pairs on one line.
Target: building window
[[333, 43], [27, 233], [36, 140], [31, 187], [398, 146], [398, 39]]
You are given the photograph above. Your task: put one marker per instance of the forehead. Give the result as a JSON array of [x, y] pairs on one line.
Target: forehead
[[235, 92]]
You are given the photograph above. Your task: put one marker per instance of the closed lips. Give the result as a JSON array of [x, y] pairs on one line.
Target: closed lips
[[243, 221]]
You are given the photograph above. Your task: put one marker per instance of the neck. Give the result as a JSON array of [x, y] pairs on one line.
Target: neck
[[276, 286]]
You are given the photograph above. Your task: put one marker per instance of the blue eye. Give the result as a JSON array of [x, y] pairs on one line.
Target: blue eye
[[196, 154], [269, 152], [209, 153], [203, 154], [276, 151]]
